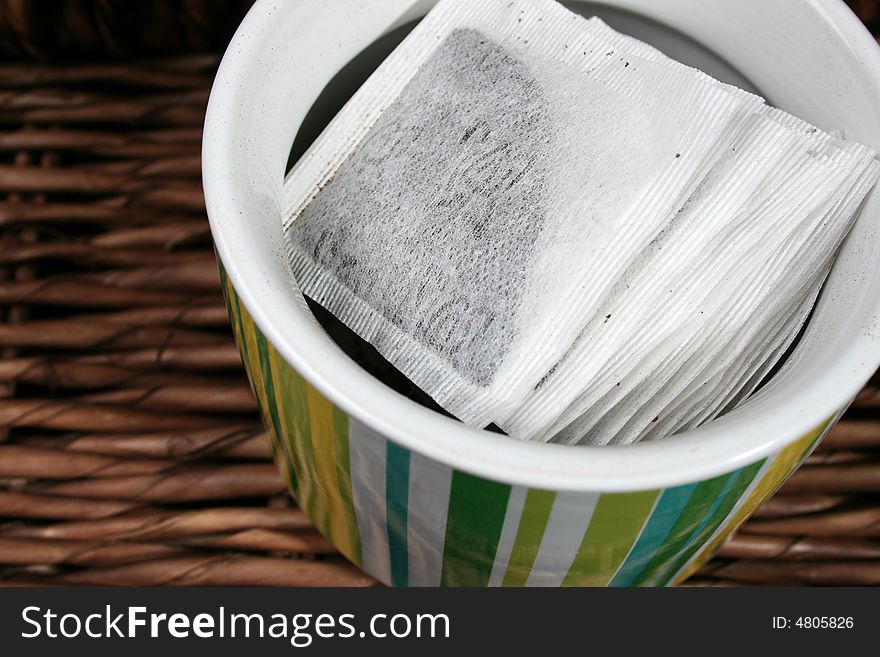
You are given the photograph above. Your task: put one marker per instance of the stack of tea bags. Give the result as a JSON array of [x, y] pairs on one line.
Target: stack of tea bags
[[555, 228]]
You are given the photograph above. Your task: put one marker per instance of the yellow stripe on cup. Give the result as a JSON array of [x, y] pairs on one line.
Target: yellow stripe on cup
[[310, 429], [246, 334], [614, 528], [292, 401], [250, 340], [323, 441], [533, 522], [784, 464]]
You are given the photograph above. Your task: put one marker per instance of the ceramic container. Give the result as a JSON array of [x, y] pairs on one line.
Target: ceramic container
[[418, 499]]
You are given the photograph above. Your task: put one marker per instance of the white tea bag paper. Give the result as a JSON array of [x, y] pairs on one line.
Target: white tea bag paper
[[498, 206]]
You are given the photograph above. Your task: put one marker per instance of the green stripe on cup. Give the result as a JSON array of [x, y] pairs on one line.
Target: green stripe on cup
[[247, 336], [473, 527], [533, 521], [697, 508], [292, 400], [228, 295], [292, 425], [242, 338], [669, 507], [782, 464], [272, 407], [267, 402], [614, 528], [663, 573], [284, 396], [396, 503], [727, 500]]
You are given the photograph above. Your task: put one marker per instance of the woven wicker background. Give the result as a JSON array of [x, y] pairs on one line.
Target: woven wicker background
[[130, 448]]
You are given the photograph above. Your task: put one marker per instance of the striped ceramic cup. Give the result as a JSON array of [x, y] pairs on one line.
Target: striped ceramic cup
[[418, 499]]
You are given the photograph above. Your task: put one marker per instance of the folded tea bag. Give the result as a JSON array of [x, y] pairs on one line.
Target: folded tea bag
[[786, 269], [800, 268], [748, 367], [606, 341], [493, 172], [707, 398], [675, 273]]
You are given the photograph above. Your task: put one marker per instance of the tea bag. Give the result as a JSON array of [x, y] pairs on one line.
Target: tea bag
[[475, 201], [802, 265], [769, 135], [748, 367], [669, 280], [735, 351]]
